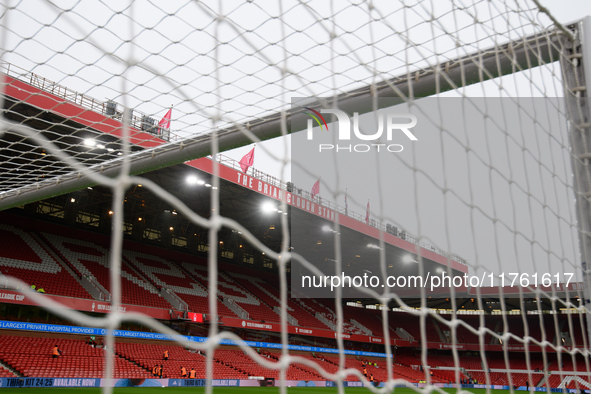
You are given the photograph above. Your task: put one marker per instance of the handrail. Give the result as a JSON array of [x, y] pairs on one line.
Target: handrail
[[139, 120]]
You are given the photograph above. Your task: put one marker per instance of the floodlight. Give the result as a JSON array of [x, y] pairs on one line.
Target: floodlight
[[409, 258], [192, 180], [269, 207]]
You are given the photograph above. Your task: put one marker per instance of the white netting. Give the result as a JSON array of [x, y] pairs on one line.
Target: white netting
[[224, 66]]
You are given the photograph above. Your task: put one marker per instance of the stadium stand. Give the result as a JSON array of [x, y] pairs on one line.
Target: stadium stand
[[49, 256], [269, 296], [149, 355], [90, 259], [371, 319], [5, 373], [31, 356], [23, 257]]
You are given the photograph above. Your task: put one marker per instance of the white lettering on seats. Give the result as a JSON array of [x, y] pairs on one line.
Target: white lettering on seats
[[80, 251], [244, 296], [45, 263], [156, 268]]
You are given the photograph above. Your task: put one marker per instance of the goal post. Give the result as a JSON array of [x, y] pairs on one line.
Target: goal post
[[576, 67]]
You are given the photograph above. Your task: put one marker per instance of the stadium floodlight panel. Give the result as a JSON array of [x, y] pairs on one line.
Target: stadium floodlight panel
[[409, 258], [269, 207], [192, 180]]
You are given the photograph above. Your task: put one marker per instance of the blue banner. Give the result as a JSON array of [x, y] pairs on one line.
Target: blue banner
[[49, 382], [55, 328], [14, 325]]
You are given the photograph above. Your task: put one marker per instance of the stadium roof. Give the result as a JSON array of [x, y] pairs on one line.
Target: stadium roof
[[92, 137]]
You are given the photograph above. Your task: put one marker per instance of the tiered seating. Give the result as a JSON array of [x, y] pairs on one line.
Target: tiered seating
[[247, 283], [164, 273], [516, 361], [328, 365], [434, 361], [256, 309], [23, 257], [554, 380], [515, 326], [60, 255], [443, 361], [241, 361], [269, 295], [370, 319], [303, 316], [32, 357], [5, 373], [381, 373], [412, 325], [578, 330], [575, 384], [447, 375], [495, 377], [150, 355], [412, 375], [463, 334], [502, 378], [327, 309], [472, 362], [226, 289], [91, 259], [568, 364]]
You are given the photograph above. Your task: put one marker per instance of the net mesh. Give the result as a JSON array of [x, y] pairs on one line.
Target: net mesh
[[231, 69]]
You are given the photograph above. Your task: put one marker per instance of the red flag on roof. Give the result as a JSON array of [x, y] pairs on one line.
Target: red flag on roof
[[367, 213], [315, 188], [165, 122], [247, 161]]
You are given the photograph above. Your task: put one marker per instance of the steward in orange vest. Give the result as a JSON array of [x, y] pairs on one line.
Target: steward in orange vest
[[192, 374], [183, 372]]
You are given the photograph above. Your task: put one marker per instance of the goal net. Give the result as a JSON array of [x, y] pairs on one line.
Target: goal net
[[427, 165]]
